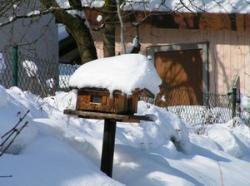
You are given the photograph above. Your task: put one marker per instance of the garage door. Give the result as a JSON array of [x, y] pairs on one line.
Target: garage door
[[181, 74]]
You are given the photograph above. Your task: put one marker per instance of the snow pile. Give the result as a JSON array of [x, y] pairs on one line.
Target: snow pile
[[245, 106], [245, 102], [231, 137], [4, 97], [125, 72], [167, 127], [13, 105], [40, 155], [59, 150]]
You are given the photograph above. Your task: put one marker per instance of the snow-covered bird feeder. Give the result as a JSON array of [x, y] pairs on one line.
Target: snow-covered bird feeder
[[115, 84], [109, 89]]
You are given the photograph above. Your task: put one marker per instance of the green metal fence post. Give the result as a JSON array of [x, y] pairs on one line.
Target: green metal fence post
[[14, 65], [234, 101]]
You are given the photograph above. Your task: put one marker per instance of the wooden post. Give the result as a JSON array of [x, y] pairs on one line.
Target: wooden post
[[15, 66], [108, 146], [234, 97]]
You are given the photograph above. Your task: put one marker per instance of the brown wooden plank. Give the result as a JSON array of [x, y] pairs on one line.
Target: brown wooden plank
[[117, 117]]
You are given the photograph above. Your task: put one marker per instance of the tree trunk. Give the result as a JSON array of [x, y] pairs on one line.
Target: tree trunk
[[84, 41], [122, 36], [109, 16], [78, 29]]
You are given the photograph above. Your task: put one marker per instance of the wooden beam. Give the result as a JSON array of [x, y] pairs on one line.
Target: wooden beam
[[117, 117]]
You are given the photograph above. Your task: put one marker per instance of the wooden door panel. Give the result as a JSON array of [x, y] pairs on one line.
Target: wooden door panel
[[181, 74]]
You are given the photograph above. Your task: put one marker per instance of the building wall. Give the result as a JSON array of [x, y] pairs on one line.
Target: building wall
[[37, 41], [229, 51]]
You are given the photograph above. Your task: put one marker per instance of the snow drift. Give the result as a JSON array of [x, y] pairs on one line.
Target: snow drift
[[64, 151]]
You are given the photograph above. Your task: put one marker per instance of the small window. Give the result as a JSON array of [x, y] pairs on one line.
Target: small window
[[96, 99]]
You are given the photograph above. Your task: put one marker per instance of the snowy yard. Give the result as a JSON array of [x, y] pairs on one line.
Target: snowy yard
[[58, 150]]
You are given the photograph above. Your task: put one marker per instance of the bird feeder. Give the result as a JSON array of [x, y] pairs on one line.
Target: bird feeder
[[110, 89], [117, 102]]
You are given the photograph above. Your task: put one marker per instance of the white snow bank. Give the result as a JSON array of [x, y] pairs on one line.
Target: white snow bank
[[167, 128], [3, 97], [125, 72], [232, 138], [245, 102], [40, 155], [13, 105], [69, 100], [67, 150]]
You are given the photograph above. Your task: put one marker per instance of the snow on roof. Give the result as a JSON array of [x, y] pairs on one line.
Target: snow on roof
[[211, 6], [86, 3], [125, 72]]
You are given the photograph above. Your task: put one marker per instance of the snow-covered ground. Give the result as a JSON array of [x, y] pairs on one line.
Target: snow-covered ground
[[58, 150]]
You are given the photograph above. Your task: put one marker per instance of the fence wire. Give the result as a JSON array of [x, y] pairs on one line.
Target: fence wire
[[208, 108], [45, 77], [65, 71], [40, 76]]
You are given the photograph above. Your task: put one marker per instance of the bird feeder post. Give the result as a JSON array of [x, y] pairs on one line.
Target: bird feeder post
[[108, 146], [110, 120]]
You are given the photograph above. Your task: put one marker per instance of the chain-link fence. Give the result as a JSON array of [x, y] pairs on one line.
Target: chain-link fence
[[196, 107], [40, 76], [65, 71], [44, 77], [216, 109]]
